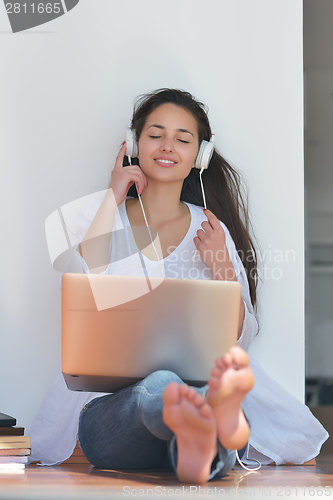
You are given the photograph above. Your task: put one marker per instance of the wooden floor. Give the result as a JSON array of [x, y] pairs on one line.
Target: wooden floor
[[82, 481]]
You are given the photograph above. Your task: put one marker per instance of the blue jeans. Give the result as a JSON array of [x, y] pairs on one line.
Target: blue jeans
[[125, 430]]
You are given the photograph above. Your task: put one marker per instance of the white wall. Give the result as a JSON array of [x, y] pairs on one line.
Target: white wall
[[66, 97]]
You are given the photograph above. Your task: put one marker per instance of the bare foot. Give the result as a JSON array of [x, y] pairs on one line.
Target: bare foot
[[188, 415], [231, 379]]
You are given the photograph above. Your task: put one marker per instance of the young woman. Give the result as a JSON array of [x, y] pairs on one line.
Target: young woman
[[160, 422], [131, 428]]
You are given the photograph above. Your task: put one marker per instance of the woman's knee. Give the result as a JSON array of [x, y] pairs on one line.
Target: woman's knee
[[160, 379]]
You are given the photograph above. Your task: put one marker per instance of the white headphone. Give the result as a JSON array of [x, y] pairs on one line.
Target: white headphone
[[205, 154], [203, 158], [131, 143]]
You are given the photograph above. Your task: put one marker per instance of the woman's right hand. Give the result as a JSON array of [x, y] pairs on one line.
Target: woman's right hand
[[123, 178]]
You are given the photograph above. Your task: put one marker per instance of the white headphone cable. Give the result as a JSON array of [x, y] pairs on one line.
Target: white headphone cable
[[202, 188], [145, 218], [254, 469], [205, 205]]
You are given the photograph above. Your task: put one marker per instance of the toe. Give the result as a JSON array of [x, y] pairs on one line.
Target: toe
[[219, 364], [214, 383], [227, 359], [216, 372], [171, 394], [199, 400], [239, 356], [191, 394], [206, 411], [183, 390]]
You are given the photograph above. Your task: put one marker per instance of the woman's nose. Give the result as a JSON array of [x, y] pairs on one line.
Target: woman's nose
[[167, 145]]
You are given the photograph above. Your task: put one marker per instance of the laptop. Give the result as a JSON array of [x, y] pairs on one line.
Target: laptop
[[116, 330]]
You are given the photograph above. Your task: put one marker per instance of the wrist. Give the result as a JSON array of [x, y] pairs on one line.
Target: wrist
[[224, 273], [111, 198]]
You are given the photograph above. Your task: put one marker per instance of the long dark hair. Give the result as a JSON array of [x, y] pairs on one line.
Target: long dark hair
[[222, 183]]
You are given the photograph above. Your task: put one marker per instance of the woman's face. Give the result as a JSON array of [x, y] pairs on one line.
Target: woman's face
[[169, 143]]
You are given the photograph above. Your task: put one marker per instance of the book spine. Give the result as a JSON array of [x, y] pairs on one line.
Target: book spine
[[15, 451], [14, 442], [11, 431], [22, 459]]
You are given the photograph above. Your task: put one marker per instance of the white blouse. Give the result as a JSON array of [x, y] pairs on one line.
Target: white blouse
[[282, 429]]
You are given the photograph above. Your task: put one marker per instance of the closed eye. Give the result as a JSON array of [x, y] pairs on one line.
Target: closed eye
[[159, 136]]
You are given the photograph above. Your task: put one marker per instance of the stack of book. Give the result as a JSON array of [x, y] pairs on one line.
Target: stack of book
[[14, 446]]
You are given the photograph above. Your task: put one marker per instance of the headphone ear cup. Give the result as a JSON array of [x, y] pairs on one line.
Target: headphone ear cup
[[204, 155], [131, 143]]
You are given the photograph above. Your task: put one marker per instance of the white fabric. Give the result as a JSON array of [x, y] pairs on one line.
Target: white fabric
[[282, 429]]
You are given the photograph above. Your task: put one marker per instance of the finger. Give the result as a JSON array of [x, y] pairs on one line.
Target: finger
[[139, 188], [200, 244], [135, 174], [212, 219], [206, 226], [138, 180], [120, 156], [124, 178], [197, 242], [143, 179], [201, 234], [135, 169]]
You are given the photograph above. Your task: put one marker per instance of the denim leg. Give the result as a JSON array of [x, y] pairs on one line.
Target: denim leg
[[125, 430]]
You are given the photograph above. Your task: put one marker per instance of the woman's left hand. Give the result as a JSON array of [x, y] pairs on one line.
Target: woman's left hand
[[210, 242]]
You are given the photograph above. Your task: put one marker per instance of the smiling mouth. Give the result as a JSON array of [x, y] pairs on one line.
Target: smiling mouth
[[165, 162]]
